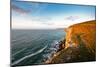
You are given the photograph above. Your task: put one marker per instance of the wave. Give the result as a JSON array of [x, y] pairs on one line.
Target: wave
[[49, 52], [25, 57], [18, 52]]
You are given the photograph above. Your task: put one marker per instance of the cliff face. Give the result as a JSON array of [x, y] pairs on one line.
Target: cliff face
[[86, 31], [80, 44]]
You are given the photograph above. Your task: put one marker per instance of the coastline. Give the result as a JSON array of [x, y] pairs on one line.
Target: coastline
[[76, 47]]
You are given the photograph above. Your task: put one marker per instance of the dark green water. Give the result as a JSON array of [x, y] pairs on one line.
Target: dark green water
[[33, 47]]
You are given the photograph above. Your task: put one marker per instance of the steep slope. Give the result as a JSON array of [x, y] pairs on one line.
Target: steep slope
[[80, 44], [86, 31]]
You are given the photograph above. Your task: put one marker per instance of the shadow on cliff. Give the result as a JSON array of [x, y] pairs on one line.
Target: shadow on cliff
[[74, 54]]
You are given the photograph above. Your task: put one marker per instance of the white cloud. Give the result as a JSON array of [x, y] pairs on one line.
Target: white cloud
[[62, 22]]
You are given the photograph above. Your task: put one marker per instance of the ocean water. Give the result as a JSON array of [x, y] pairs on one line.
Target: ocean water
[[34, 47]]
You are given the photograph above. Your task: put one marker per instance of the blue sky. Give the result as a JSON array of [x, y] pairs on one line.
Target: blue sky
[[33, 15]]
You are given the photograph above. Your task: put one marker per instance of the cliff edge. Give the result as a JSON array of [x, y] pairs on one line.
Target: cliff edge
[[79, 45]]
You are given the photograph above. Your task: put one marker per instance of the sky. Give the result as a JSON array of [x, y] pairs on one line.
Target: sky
[[35, 15]]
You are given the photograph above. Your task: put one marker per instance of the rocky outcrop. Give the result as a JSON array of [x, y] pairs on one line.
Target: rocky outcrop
[[79, 45], [86, 31]]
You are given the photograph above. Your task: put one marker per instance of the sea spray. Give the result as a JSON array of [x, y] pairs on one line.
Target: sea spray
[[52, 50]]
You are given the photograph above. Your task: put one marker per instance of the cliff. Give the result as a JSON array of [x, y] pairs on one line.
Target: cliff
[[86, 31], [79, 45]]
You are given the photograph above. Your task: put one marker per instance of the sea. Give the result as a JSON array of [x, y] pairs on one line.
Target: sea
[[34, 47]]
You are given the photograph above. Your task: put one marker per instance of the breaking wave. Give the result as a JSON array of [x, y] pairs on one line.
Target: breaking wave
[[33, 54]]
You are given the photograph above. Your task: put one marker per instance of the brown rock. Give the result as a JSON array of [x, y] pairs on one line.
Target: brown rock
[[87, 33], [80, 44]]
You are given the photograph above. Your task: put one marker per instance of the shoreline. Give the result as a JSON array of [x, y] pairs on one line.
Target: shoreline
[[76, 47], [61, 47]]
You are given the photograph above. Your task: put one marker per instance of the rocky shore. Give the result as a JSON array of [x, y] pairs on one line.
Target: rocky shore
[[79, 44]]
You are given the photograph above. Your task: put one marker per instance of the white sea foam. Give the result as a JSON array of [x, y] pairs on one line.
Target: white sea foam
[[51, 50], [25, 57]]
